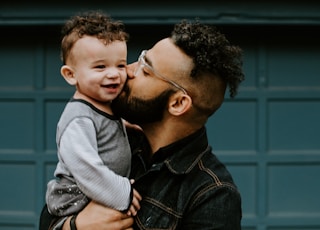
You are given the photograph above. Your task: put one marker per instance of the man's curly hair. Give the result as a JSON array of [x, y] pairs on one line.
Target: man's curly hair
[[90, 23], [211, 52]]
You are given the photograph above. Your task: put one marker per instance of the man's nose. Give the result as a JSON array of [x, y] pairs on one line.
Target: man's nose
[[131, 69]]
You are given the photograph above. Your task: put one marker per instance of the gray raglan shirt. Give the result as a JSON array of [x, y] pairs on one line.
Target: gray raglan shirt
[[94, 154]]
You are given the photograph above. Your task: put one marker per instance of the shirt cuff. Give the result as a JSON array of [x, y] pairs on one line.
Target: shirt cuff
[[59, 224]]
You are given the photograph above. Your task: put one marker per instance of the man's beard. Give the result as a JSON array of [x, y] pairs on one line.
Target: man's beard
[[139, 111]]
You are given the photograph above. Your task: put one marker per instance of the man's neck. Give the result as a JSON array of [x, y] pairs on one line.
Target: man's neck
[[162, 134]]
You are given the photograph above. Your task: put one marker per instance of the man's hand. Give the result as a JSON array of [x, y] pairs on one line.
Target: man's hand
[[98, 217]]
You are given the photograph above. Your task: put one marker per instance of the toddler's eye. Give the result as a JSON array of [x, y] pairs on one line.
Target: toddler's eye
[[122, 66], [100, 66]]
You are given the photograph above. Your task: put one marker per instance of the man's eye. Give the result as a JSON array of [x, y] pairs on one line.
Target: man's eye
[[146, 71]]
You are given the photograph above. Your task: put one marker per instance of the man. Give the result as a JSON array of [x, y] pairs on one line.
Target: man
[[171, 92]]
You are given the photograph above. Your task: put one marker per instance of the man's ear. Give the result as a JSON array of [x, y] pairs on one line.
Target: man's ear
[[68, 74], [179, 104]]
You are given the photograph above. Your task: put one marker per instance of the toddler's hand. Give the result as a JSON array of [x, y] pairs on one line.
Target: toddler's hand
[[135, 204]]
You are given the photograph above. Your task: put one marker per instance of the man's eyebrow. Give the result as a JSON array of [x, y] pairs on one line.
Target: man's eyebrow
[[147, 60]]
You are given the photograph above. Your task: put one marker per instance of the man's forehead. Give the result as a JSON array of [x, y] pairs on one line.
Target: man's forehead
[[166, 52], [164, 46]]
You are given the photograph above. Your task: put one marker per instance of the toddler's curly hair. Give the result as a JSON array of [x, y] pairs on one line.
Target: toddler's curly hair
[[90, 23]]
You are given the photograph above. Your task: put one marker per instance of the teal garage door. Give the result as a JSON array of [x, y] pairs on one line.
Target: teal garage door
[[268, 136]]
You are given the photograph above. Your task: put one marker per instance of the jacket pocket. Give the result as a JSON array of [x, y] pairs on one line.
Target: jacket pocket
[[155, 215]]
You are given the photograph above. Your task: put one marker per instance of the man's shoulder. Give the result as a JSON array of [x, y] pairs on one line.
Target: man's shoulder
[[214, 171]]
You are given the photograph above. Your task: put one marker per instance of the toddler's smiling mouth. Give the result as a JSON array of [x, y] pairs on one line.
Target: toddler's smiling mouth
[[111, 86]]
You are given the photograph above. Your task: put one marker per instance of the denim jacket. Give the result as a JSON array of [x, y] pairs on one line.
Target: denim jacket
[[184, 186]]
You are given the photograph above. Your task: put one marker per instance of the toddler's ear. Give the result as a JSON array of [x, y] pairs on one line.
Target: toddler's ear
[[68, 74]]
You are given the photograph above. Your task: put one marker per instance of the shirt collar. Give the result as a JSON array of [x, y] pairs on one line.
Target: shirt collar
[[181, 156]]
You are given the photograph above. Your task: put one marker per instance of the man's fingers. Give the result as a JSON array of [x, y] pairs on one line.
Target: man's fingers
[[137, 195]]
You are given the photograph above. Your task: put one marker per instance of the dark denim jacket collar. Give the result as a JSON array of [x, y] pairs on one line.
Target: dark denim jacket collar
[[181, 156]]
